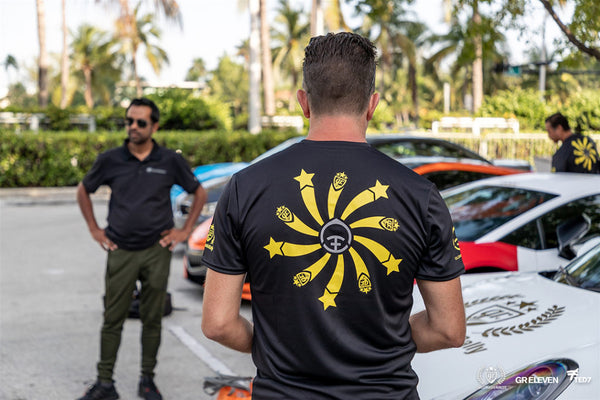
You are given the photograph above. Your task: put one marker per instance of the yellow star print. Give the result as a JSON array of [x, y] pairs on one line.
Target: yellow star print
[[392, 264], [305, 179], [328, 299], [274, 248], [379, 190]]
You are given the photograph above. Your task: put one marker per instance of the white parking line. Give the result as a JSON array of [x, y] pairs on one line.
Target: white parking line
[[200, 351]]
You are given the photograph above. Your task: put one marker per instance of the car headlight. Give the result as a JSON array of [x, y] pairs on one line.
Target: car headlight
[[545, 380]]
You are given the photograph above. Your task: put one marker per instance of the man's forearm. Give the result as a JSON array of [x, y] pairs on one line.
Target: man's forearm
[[195, 210]]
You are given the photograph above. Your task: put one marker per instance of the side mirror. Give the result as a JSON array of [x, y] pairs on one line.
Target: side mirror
[[569, 232]]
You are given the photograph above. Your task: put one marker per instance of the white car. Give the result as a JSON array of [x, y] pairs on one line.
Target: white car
[[510, 222], [529, 336]]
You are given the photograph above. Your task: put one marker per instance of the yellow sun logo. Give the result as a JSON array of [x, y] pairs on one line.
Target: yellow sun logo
[[585, 153], [335, 237]]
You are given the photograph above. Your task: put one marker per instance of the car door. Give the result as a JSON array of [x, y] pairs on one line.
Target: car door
[[537, 241]]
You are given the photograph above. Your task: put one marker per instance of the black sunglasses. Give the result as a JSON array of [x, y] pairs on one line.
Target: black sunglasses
[[142, 123]]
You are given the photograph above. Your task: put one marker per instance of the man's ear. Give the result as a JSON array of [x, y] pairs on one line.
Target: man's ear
[[302, 97], [373, 101]]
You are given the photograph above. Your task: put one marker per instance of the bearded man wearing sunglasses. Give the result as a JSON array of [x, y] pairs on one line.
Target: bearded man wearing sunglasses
[[139, 238]]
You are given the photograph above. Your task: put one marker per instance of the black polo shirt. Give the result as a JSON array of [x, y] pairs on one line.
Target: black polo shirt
[[577, 153], [332, 236], [140, 205]]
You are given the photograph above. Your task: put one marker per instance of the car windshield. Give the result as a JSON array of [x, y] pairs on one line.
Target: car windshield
[[583, 272], [479, 210]]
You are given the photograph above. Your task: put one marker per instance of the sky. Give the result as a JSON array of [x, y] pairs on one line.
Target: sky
[[211, 28]]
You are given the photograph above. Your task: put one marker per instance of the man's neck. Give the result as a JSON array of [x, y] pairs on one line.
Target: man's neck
[[141, 150], [337, 128]]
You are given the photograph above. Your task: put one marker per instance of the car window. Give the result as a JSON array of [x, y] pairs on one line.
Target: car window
[[541, 233], [479, 210], [447, 179], [420, 149], [527, 236], [588, 205], [584, 271]]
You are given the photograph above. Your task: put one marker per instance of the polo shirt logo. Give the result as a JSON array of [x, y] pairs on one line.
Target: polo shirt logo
[[151, 170]]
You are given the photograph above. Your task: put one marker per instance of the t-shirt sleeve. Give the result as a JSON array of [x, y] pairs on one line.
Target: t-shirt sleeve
[[95, 176], [441, 259], [223, 251], [184, 176]]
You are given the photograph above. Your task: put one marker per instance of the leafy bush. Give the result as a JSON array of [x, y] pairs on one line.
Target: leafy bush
[[63, 158], [181, 109]]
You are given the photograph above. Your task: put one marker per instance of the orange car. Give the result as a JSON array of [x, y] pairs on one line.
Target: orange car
[[444, 174]]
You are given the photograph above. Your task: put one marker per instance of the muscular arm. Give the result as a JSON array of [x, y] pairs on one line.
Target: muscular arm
[[173, 236], [442, 324], [221, 319], [87, 210]]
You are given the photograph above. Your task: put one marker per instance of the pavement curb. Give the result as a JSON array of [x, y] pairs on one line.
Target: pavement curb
[[47, 195]]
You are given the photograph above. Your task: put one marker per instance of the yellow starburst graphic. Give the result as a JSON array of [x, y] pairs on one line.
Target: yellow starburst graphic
[[335, 238], [585, 153]]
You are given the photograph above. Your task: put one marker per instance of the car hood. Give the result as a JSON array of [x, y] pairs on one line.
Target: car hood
[[512, 321], [207, 172]]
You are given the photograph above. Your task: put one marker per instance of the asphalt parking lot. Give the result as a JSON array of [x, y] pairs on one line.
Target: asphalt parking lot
[[51, 285]]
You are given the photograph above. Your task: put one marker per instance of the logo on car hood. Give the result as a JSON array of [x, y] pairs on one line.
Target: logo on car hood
[[505, 316]]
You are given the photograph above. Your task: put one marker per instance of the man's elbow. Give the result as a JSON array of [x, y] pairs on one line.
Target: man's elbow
[[456, 336], [457, 339], [214, 330]]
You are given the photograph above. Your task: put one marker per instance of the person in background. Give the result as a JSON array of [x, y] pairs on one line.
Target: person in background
[[332, 235], [577, 153], [139, 238]]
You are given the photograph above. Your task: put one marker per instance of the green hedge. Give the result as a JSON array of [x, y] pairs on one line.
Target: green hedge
[[47, 159]]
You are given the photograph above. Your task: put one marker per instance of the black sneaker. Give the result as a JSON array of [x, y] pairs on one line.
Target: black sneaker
[[147, 389], [100, 392]]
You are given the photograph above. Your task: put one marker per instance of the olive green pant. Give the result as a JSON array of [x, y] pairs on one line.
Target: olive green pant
[[123, 269]]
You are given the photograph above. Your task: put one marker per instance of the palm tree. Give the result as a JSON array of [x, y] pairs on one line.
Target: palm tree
[[64, 62], [290, 36], [197, 70], [266, 60], [334, 18], [142, 32], [458, 43], [43, 57], [316, 18], [254, 68], [127, 30], [94, 58], [10, 62]]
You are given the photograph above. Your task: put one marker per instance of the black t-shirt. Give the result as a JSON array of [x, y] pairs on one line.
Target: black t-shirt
[[140, 204], [577, 153], [332, 236]]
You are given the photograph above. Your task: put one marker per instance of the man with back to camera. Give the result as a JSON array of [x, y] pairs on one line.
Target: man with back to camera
[[577, 153], [139, 238], [332, 244]]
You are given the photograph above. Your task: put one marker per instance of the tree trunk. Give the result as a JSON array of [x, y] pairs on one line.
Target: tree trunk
[[136, 78], [89, 99], [316, 18], [414, 91], [64, 63], [43, 58], [254, 68], [478, 63], [267, 60]]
